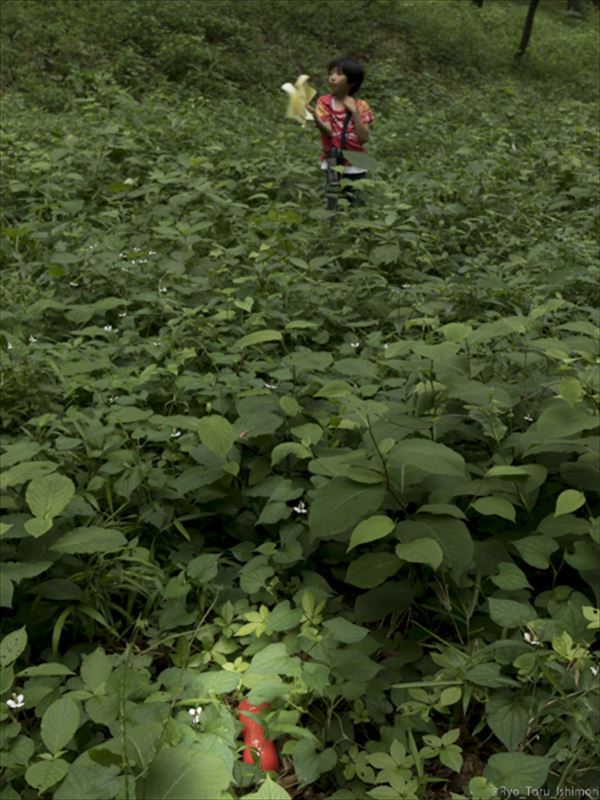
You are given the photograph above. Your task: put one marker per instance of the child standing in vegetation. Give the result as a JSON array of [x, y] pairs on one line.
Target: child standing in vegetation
[[343, 122]]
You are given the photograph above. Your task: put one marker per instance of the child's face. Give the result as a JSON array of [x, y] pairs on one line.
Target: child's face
[[338, 82]]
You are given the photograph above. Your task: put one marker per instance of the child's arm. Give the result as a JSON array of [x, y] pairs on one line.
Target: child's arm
[[325, 129], [362, 129]]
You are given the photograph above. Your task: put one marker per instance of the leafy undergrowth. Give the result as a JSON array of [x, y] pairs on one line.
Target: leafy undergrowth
[[346, 465]]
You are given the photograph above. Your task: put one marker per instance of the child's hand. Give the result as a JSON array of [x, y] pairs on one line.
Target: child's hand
[[350, 104], [311, 109]]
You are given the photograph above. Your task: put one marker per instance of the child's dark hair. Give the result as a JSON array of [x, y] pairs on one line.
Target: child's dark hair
[[353, 71]]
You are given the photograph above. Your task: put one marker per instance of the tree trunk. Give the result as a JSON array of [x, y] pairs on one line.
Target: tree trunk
[[533, 4]]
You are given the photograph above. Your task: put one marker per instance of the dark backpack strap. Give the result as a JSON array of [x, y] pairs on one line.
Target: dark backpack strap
[[344, 129]]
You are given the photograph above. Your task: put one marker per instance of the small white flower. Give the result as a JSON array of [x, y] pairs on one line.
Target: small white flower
[[407, 285], [355, 344], [528, 418], [269, 385], [301, 508], [385, 346], [16, 701], [175, 434], [163, 289], [9, 346], [595, 671], [32, 340], [156, 344], [129, 182], [531, 639], [142, 260], [122, 314], [108, 328], [151, 252], [122, 255], [74, 284], [112, 399], [195, 714]]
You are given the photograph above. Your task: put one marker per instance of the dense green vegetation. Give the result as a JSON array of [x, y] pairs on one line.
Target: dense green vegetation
[[344, 465]]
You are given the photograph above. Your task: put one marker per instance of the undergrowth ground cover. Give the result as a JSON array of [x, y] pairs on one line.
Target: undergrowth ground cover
[[344, 465]]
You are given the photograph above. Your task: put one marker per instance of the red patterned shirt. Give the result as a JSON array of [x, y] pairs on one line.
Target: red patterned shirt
[[334, 118]]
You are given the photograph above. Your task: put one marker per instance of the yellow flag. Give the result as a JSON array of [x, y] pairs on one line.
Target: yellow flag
[[299, 95]]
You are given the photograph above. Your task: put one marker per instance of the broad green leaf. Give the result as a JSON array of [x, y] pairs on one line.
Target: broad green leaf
[[488, 675], [89, 783], [371, 529], [38, 526], [258, 337], [421, 551], [309, 433], [592, 615], [536, 550], [340, 505], [285, 449], [129, 414], [388, 793], [497, 506], [443, 509], [571, 391], [333, 389], [95, 669], [585, 557], [517, 772], [49, 495], [20, 570], [217, 434], [204, 568], [511, 613], [362, 160], [184, 773], [59, 723], [47, 669], [456, 331], [7, 590], [381, 761], [345, 631], [431, 457], [90, 540], [12, 646], [274, 512], [16, 453], [561, 420], [283, 617], [452, 535], [510, 577], [310, 765], [26, 471], [356, 368], [44, 774], [507, 472], [216, 682], [273, 660], [372, 569], [264, 689], [269, 790], [290, 406], [438, 353], [568, 501]]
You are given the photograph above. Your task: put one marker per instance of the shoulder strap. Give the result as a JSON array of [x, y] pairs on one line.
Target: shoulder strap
[[344, 129]]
